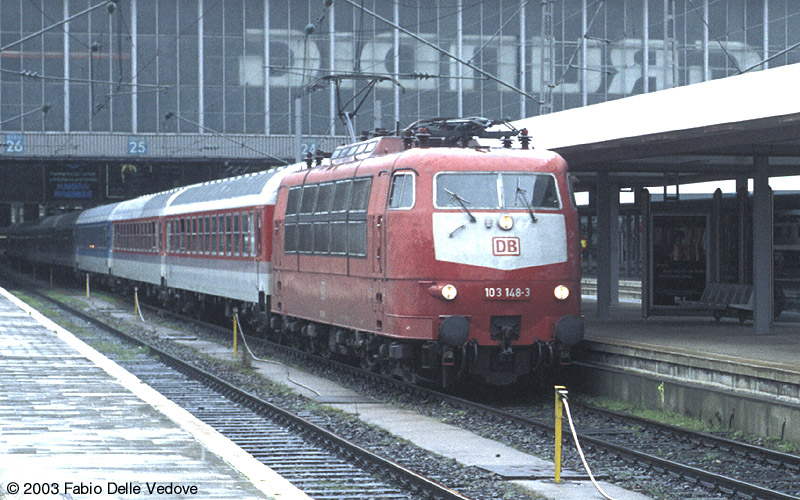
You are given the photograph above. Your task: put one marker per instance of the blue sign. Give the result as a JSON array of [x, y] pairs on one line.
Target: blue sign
[[137, 145], [14, 144]]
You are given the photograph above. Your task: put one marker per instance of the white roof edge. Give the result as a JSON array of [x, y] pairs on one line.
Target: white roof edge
[[750, 96]]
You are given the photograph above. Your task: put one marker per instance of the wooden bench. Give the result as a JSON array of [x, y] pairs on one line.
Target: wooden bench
[[724, 298]]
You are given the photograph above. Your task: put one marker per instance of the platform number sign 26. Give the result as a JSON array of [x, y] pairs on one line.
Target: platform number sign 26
[[14, 144], [137, 145]]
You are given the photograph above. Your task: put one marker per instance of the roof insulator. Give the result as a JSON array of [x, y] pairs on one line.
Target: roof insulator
[[524, 138], [423, 136], [408, 139]]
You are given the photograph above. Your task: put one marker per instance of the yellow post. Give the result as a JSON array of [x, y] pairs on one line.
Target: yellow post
[[235, 332], [87, 285], [560, 389], [136, 302]]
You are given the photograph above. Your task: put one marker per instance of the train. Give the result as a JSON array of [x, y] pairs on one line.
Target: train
[[425, 255]]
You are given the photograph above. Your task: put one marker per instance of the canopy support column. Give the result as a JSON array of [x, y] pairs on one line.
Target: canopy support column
[[607, 245], [762, 247]]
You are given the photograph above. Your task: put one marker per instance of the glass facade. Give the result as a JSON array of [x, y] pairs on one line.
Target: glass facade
[[253, 66]]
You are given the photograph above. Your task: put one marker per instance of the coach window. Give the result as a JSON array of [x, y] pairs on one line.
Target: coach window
[[228, 235], [258, 233], [246, 234], [236, 234], [401, 193], [213, 234], [207, 237]]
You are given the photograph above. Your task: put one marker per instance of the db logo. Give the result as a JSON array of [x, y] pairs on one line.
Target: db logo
[[507, 245]]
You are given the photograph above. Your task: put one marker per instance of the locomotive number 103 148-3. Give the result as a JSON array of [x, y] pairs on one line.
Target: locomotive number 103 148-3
[[506, 293]]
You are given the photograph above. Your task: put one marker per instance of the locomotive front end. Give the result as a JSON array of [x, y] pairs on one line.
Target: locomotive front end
[[504, 287]]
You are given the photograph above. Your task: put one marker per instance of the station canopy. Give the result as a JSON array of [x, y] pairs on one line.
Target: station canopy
[[703, 132]]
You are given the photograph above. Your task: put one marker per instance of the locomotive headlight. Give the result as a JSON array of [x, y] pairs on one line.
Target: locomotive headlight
[[449, 292], [561, 292], [505, 222]]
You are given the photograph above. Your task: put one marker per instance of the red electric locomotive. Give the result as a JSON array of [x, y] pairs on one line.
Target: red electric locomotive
[[431, 261]]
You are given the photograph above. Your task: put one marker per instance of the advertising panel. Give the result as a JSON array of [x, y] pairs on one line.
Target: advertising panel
[[680, 258]]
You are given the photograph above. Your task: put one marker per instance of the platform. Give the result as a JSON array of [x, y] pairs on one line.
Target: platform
[[77, 425], [719, 371]]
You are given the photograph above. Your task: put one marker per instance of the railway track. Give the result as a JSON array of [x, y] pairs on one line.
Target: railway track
[[321, 463], [734, 468], [695, 461], [721, 466]]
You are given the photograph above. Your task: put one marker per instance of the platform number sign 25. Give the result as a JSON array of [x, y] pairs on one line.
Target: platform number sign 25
[[137, 145], [14, 144]]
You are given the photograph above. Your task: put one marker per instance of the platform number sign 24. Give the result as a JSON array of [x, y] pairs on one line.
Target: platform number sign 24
[[14, 143]]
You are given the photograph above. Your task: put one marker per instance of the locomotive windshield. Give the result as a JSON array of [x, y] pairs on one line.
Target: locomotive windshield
[[496, 190]]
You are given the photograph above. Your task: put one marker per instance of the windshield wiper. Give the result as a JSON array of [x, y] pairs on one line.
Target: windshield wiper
[[463, 203], [524, 193]]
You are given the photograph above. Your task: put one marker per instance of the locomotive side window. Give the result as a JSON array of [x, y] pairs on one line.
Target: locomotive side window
[[309, 199], [341, 196], [324, 198], [293, 202], [357, 238], [322, 237], [306, 234], [290, 238], [330, 218], [339, 238], [360, 197], [401, 192]]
